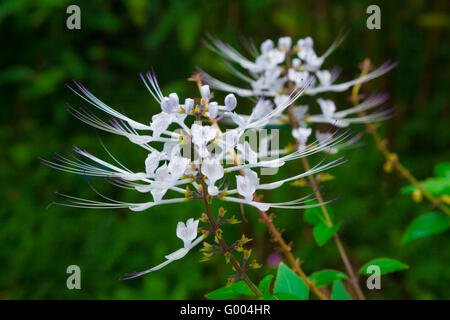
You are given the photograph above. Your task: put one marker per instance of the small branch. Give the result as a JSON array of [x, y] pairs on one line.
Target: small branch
[[382, 146], [286, 249], [225, 247]]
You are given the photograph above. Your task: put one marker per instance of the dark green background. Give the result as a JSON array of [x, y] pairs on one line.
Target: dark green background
[[117, 40]]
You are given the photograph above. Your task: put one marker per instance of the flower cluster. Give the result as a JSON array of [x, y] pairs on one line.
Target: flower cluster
[[187, 153], [276, 70]]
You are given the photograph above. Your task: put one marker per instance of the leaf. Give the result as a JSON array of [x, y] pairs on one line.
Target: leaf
[[442, 170], [268, 297], [237, 289], [435, 186], [426, 225], [288, 282], [323, 233], [279, 296], [286, 296], [315, 215], [264, 285], [325, 277], [338, 292], [386, 265]]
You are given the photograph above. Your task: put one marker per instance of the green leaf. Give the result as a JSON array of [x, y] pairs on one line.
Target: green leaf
[[435, 186], [264, 285], [279, 296], [237, 289], [288, 282], [325, 277], [315, 215], [286, 296], [386, 265], [426, 225], [338, 292], [323, 233], [268, 297], [442, 170]]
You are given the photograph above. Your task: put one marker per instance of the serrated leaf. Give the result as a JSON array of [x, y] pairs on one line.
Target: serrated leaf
[[264, 285], [237, 289], [338, 292], [323, 233], [288, 282], [325, 277], [386, 265], [426, 225]]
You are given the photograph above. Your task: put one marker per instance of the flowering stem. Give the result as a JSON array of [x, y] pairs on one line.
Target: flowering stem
[[348, 266], [389, 156], [286, 249], [225, 247], [267, 220]]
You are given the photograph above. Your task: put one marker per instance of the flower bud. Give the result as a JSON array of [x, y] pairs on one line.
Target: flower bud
[[296, 63], [188, 105], [204, 90], [213, 110], [230, 102], [166, 105]]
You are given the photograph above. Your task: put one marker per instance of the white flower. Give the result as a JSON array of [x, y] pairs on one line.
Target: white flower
[[324, 77], [265, 79], [246, 184], [181, 172], [300, 112], [301, 134], [284, 43], [266, 46], [177, 166], [160, 123], [305, 44], [328, 107], [299, 77], [213, 170], [201, 136], [187, 233]]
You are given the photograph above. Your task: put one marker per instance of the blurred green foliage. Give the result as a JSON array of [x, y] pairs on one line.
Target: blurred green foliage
[[117, 40]]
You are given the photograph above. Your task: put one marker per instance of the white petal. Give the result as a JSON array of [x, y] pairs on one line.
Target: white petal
[[180, 253]]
